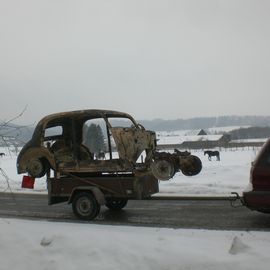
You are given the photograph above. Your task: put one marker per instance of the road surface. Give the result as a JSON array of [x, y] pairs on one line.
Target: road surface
[[187, 213]]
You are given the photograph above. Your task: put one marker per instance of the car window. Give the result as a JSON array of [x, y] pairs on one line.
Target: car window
[[120, 122], [99, 140], [95, 136], [267, 159], [53, 131]]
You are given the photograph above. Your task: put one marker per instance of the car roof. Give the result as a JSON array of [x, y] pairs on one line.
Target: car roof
[[84, 114]]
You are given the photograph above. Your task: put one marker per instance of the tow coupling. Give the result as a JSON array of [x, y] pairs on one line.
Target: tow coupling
[[236, 200]]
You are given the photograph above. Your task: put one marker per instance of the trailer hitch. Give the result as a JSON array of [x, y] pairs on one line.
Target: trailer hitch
[[236, 200]]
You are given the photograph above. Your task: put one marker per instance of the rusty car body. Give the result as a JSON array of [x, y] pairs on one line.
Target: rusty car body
[[130, 169], [65, 152]]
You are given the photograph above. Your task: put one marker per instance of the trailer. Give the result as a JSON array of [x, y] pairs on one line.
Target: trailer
[[88, 193], [99, 157]]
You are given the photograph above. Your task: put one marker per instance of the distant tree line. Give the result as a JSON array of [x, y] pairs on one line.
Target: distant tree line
[[205, 122], [171, 125], [250, 133], [22, 134]]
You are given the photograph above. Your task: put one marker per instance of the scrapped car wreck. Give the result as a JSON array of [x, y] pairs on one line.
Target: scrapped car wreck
[[130, 169]]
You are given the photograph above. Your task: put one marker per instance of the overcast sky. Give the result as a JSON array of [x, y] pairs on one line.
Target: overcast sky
[[151, 58]]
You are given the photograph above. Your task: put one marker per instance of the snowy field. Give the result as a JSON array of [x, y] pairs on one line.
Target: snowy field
[[231, 174], [32, 245]]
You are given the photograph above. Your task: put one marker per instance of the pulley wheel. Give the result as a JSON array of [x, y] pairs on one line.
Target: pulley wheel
[[191, 165], [162, 169]]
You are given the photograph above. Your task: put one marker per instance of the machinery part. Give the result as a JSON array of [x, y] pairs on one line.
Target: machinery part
[[116, 204], [181, 153], [190, 165], [37, 167], [85, 206], [85, 153], [162, 169]]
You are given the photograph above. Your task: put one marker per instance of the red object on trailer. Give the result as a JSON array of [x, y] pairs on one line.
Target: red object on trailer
[[28, 182]]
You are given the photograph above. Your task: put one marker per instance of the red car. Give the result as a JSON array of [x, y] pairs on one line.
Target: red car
[[258, 198]]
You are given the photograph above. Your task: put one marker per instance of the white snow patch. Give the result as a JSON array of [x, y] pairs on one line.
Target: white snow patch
[[31, 245], [238, 246]]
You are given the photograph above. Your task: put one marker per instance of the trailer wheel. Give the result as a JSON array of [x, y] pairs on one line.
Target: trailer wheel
[[85, 206], [116, 204]]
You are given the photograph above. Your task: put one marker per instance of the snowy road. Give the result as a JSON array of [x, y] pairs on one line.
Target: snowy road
[[206, 214]]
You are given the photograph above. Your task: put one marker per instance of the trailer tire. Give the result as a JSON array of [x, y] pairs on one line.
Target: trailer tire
[[85, 206], [116, 204]]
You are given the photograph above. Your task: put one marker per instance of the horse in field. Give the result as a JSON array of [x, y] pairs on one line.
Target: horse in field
[[212, 154]]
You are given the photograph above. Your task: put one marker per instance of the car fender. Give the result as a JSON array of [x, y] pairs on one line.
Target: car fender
[[35, 152], [95, 191]]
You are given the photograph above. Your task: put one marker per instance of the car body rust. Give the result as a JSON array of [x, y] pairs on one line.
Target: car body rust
[[130, 168], [65, 152]]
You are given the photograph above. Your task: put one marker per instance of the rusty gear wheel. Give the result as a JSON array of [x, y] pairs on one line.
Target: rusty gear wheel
[[162, 169], [191, 165]]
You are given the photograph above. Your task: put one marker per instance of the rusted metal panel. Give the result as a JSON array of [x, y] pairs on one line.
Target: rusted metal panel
[[132, 142]]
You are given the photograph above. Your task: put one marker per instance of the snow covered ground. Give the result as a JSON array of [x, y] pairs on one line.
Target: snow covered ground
[[231, 174], [216, 178], [32, 245]]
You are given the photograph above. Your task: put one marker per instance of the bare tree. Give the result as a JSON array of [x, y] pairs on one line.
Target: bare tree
[[7, 128]]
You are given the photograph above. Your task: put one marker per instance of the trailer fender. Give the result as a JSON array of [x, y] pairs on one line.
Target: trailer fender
[[94, 190]]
